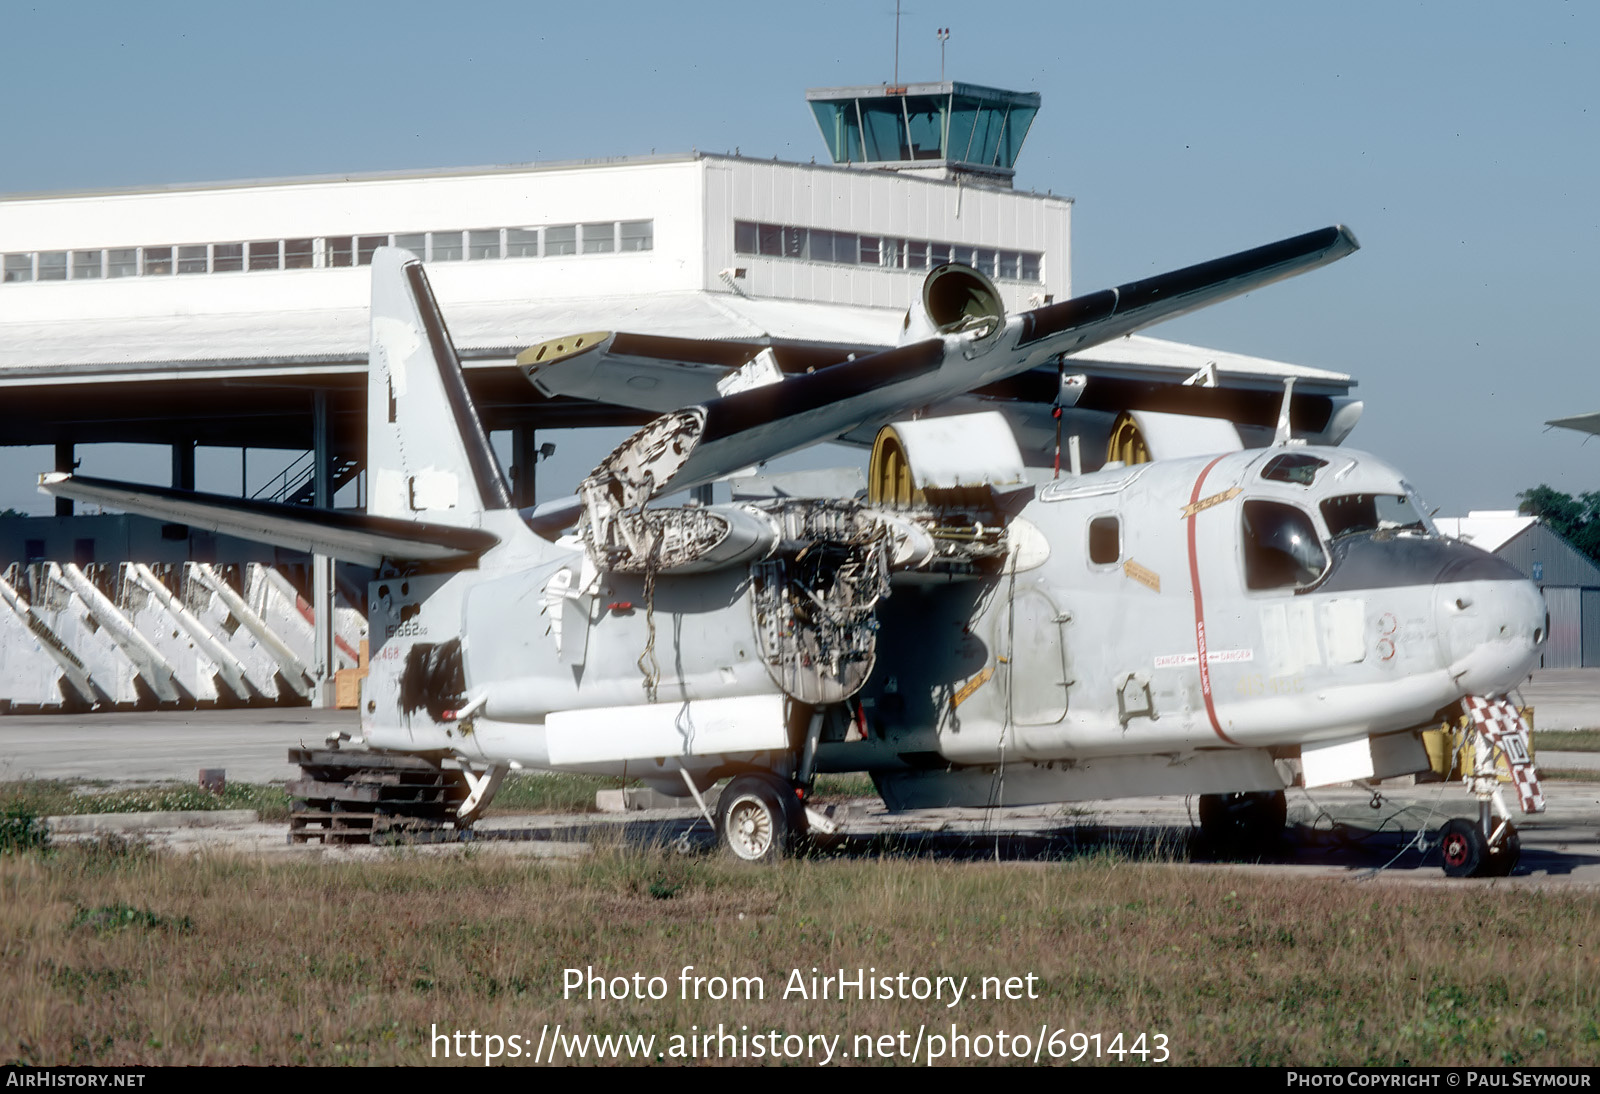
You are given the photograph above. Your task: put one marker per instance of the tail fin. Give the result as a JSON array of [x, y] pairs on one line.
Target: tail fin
[[428, 458]]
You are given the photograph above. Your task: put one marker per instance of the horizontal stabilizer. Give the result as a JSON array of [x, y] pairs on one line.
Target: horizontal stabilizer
[[353, 537]]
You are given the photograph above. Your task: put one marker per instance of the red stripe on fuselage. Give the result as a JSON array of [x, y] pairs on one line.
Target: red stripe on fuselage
[[1199, 608]]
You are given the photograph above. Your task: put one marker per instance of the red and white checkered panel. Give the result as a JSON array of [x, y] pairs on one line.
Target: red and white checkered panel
[[1504, 728]]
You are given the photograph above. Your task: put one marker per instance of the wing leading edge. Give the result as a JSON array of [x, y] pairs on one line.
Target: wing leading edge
[[718, 436]]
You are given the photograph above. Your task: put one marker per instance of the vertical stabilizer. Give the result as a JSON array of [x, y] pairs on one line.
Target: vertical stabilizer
[[428, 458]]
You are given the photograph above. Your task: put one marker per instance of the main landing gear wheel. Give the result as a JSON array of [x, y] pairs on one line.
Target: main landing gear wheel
[[1247, 823], [1465, 850], [758, 819]]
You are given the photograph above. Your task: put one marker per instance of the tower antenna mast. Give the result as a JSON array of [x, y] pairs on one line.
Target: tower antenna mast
[[896, 43]]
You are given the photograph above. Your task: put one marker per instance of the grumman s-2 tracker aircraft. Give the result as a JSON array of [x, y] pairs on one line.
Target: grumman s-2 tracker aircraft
[[1219, 621]]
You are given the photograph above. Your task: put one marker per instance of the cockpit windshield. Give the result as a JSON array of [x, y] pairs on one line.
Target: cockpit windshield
[[1348, 514], [1281, 548]]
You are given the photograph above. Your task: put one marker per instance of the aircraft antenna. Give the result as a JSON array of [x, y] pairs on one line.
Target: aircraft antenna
[[896, 43]]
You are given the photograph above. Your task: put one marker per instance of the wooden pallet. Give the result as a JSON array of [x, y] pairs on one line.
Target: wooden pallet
[[357, 796]]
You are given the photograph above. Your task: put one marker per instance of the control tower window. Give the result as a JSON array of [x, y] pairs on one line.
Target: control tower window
[[1281, 549], [925, 117], [884, 128]]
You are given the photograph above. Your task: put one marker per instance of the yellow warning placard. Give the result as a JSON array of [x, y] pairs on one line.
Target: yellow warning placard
[[1142, 575]]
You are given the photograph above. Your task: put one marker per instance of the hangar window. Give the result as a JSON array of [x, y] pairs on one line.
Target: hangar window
[[415, 242], [366, 245], [338, 250], [52, 265], [522, 243], [561, 239], [194, 258], [298, 254], [483, 243], [638, 235], [1105, 540], [227, 257], [123, 262], [86, 264], [157, 260], [445, 247], [1281, 549], [599, 239], [264, 254], [19, 267], [938, 254]]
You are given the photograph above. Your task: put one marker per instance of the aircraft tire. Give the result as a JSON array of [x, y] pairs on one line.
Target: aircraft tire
[[758, 820], [1247, 823], [1464, 850], [1503, 859]]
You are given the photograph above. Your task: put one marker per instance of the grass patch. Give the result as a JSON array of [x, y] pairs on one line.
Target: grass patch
[[22, 829], [56, 797], [845, 786], [116, 917], [553, 792], [1566, 775], [1566, 740], [167, 959]]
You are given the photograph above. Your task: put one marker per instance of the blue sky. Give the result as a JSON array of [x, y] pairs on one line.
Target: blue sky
[[1460, 141]]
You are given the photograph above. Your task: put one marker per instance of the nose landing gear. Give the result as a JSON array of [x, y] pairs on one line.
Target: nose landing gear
[[1474, 849]]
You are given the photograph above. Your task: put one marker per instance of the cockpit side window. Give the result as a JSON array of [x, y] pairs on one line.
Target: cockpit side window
[[1299, 468], [1348, 514], [1281, 549]]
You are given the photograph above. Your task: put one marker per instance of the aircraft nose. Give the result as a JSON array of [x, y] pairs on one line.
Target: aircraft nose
[[1492, 632]]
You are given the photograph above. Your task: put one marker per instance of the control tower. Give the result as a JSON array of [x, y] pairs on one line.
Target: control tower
[[945, 130]]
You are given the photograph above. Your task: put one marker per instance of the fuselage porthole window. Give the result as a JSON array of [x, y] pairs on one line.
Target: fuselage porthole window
[[1105, 541]]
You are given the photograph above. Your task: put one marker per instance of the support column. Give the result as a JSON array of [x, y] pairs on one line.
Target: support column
[[66, 460], [183, 464], [323, 664], [524, 455]]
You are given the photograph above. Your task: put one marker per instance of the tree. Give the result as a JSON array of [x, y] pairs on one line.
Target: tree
[[1576, 520]]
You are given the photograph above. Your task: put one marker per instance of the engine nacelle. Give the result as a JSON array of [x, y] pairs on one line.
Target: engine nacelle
[[954, 298]]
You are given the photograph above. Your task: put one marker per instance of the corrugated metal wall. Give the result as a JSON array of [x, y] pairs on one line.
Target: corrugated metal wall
[[1559, 562], [1564, 648], [1591, 628]]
